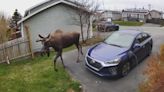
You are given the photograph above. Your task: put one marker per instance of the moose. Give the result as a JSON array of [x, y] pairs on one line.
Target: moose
[[59, 40]]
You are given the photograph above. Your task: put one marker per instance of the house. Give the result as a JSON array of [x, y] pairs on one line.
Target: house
[[154, 14], [114, 15], [140, 15], [50, 16]]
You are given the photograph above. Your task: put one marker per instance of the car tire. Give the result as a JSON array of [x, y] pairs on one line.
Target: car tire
[[133, 62], [99, 29], [125, 69], [117, 28], [150, 50], [107, 29]]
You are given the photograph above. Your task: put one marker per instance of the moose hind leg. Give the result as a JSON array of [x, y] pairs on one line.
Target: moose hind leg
[[77, 45], [62, 59], [57, 55], [81, 49]]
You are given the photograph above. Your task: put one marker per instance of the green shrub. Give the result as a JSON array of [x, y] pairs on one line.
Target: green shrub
[[128, 23]]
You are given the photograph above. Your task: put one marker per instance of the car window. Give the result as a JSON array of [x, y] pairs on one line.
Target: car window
[[139, 39], [145, 36]]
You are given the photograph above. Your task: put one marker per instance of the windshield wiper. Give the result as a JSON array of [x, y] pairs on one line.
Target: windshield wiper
[[105, 42], [116, 45], [112, 44]]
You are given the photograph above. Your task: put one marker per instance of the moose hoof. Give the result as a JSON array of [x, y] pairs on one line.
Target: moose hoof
[[78, 61]]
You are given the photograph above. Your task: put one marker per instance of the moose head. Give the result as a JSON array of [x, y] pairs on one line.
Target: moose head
[[46, 44]]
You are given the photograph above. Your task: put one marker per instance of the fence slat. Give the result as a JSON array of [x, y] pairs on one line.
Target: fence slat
[[14, 49]]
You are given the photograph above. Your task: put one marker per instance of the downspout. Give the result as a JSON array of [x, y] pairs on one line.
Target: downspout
[[91, 29], [22, 30]]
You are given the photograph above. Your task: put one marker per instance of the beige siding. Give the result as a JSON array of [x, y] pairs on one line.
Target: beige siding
[[155, 14]]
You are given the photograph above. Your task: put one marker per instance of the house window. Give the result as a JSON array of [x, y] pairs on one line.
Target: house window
[[141, 16]]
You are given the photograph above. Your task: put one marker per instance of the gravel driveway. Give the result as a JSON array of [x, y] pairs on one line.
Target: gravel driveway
[[93, 83]]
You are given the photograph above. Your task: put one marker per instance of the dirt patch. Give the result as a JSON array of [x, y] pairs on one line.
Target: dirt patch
[[92, 41]]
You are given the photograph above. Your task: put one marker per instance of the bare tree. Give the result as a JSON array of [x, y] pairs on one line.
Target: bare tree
[[3, 29], [93, 7], [85, 11]]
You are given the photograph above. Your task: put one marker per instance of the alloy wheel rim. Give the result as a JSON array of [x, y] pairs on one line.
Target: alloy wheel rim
[[126, 68]]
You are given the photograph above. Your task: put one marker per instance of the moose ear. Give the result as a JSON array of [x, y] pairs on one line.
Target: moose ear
[[40, 36], [48, 36]]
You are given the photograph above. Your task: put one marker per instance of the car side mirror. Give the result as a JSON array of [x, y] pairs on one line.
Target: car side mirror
[[137, 45]]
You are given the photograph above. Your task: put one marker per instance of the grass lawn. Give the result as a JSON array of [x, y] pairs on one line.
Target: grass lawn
[[36, 75], [128, 23]]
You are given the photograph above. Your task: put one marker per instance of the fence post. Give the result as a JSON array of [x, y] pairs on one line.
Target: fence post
[[29, 40], [7, 60]]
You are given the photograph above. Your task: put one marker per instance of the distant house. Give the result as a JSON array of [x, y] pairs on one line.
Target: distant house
[[49, 16], [114, 15], [154, 14], [140, 15]]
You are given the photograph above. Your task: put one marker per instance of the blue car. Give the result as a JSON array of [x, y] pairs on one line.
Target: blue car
[[119, 53]]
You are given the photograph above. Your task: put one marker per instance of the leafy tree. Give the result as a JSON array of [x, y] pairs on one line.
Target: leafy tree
[[14, 20]]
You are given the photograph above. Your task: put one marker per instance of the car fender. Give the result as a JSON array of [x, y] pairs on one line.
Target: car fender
[[124, 59], [91, 48], [132, 58]]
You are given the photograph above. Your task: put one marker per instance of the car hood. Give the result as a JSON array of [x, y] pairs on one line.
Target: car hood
[[104, 52]]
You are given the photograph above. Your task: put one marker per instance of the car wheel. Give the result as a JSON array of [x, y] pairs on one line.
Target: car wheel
[[150, 50], [125, 69], [133, 62], [107, 29], [117, 28], [99, 29]]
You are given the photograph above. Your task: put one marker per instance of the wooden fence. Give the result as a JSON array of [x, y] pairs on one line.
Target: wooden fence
[[15, 49]]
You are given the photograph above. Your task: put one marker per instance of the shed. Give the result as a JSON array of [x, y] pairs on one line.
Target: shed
[[49, 16]]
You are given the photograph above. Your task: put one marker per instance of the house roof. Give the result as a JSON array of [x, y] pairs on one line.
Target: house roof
[[67, 2], [136, 11], [113, 11], [160, 12], [37, 5]]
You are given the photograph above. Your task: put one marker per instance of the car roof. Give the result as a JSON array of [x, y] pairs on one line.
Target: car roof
[[132, 32]]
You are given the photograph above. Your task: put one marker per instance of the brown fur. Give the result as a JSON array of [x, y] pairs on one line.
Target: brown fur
[[59, 40]]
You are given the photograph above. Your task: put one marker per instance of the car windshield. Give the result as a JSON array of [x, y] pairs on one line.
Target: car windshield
[[120, 39]]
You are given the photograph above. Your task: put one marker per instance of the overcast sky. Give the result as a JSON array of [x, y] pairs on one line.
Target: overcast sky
[[8, 6], [121, 4]]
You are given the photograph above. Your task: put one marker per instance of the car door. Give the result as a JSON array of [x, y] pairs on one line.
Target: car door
[[138, 47], [146, 43]]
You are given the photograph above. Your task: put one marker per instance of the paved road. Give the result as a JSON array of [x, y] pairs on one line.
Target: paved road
[[93, 83], [151, 25]]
